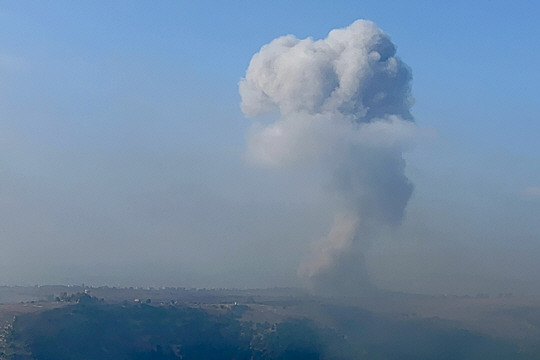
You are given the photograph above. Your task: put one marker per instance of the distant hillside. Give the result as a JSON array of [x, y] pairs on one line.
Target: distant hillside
[[94, 329]]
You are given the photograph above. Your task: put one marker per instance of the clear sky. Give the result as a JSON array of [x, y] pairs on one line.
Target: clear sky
[[122, 145]]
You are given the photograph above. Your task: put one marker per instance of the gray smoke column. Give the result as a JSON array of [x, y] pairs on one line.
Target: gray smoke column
[[342, 103]]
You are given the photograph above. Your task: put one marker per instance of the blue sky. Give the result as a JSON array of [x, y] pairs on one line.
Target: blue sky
[[466, 57], [122, 143]]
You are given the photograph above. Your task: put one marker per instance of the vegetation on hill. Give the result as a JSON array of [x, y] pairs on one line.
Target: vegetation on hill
[[92, 329]]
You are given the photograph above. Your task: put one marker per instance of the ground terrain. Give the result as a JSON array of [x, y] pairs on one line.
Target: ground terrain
[[383, 325]]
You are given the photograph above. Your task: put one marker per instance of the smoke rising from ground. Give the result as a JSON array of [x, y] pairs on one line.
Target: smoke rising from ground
[[343, 105]]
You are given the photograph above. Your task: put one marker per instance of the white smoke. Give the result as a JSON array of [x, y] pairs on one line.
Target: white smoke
[[343, 103]]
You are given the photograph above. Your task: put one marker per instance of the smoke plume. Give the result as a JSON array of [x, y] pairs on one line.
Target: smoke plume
[[342, 103]]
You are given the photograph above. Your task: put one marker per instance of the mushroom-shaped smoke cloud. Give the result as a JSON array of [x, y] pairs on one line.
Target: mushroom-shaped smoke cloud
[[343, 103]]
